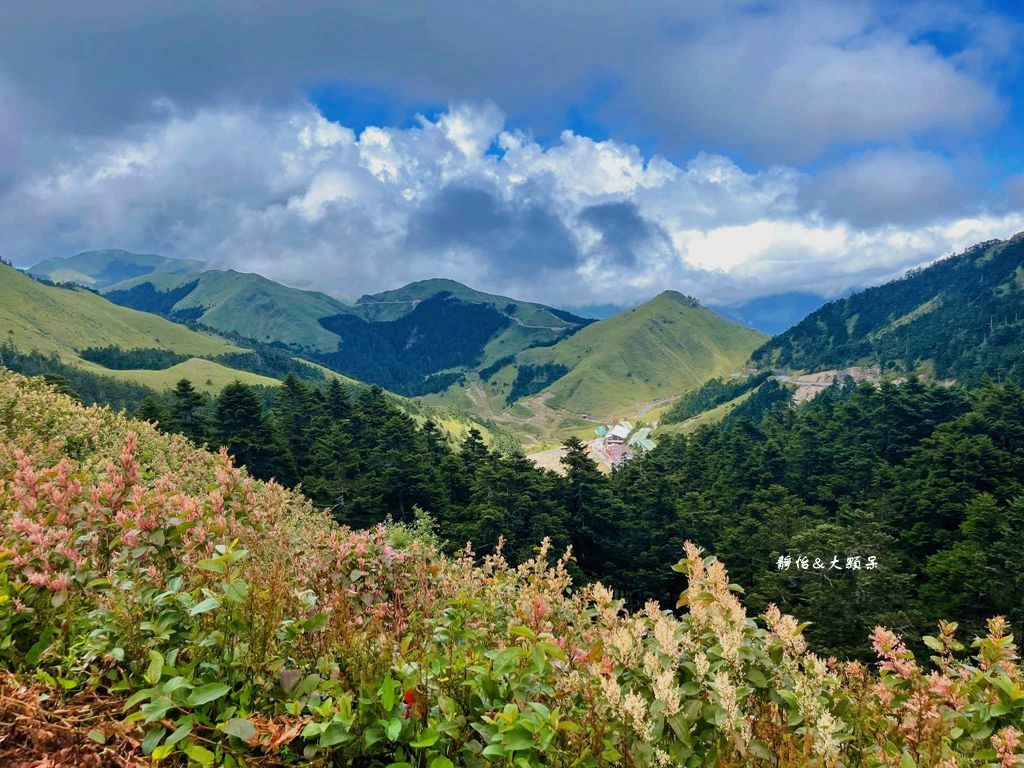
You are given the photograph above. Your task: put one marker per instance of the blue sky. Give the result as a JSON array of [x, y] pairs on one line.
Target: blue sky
[[578, 153]]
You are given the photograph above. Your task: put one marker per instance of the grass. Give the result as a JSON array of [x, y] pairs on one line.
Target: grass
[[662, 348], [64, 320], [253, 306], [206, 375], [706, 418]]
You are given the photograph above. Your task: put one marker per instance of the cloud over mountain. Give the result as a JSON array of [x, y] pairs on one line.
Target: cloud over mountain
[[311, 203], [576, 153]]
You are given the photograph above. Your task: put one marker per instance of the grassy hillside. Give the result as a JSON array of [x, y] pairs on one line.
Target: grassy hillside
[[669, 345], [64, 320], [528, 324], [206, 375], [157, 602], [960, 318], [99, 269], [243, 303], [391, 305]]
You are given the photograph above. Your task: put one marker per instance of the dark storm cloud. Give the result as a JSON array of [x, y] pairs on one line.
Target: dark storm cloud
[[624, 232], [784, 79], [512, 239]]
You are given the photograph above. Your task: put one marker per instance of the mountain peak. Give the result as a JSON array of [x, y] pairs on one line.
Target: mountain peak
[[679, 298]]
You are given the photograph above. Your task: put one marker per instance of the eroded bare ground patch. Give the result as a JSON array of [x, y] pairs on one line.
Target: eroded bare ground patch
[[41, 729]]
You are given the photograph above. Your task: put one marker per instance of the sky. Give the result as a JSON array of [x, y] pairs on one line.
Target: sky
[[574, 153]]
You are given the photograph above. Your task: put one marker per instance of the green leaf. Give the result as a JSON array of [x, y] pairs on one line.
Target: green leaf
[[32, 657], [335, 733], [517, 738], [208, 604], [207, 693], [387, 693], [236, 591], [315, 623], [183, 730], [493, 750], [137, 697], [155, 710], [152, 739], [933, 642], [757, 678], [441, 762], [394, 729], [240, 727], [156, 667], [907, 761], [215, 564], [98, 737], [427, 738], [162, 751], [200, 754]]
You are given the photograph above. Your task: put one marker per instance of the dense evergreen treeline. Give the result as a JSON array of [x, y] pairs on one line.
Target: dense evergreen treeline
[[405, 355], [146, 298], [147, 359], [713, 393], [531, 379], [264, 360], [927, 480]]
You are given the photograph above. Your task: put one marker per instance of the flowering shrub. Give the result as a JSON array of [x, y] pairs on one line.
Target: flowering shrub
[[239, 626]]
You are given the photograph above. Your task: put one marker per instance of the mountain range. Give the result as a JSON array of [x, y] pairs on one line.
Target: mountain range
[[535, 368], [538, 371]]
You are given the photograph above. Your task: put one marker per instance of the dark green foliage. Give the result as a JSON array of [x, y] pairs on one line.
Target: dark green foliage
[[768, 395], [497, 365], [117, 359], [569, 317], [186, 411], [531, 379], [239, 424], [439, 334], [263, 360], [965, 314], [153, 411], [146, 298], [714, 393], [269, 361], [436, 382]]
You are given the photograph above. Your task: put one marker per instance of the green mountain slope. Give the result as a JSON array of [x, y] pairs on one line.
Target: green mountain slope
[[65, 320], [390, 305], [667, 346], [99, 269], [526, 323], [237, 302], [962, 317]]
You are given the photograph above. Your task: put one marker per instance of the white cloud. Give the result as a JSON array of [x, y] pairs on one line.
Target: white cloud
[[306, 201]]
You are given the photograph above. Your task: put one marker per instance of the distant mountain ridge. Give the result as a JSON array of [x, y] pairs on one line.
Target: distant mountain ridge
[[961, 317], [419, 338], [772, 314], [103, 268]]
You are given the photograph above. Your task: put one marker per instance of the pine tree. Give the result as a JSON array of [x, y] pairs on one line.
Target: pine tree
[[186, 412], [239, 425], [152, 411]]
